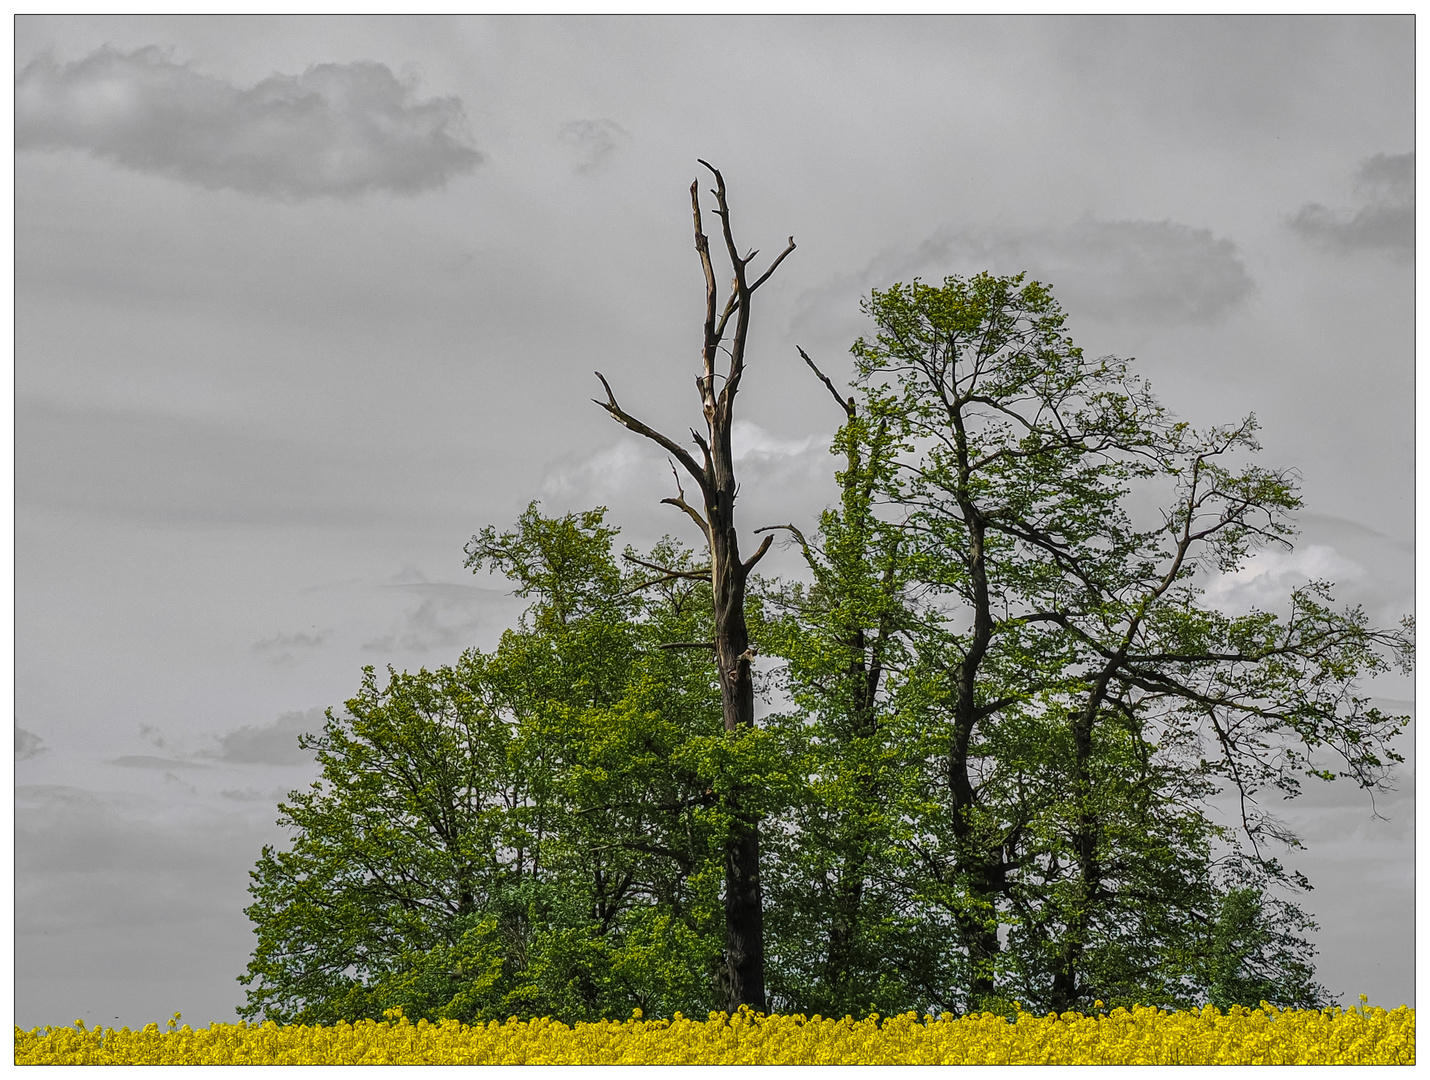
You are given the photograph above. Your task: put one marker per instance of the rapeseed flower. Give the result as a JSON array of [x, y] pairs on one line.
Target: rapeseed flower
[[1138, 1036]]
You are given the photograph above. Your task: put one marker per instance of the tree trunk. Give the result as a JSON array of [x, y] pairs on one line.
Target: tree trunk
[[979, 868], [743, 976]]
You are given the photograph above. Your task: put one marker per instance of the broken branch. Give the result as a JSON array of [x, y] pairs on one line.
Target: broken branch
[[846, 404], [759, 554], [681, 454], [773, 266], [680, 503]]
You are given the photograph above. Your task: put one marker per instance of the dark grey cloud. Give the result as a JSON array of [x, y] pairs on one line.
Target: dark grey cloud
[[27, 744], [336, 129], [592, 141], [1385, 218], [1145, 271], [1152, 272], [269, 744]]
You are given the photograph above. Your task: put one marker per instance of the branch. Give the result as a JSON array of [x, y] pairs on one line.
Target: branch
[[759, 554], [731, 306], [681, 454], [694, 575], [704, 451], [723, 212], [712, 336], [765, 276], [803, 543], [846, 405], [679, 500], [687, 645]]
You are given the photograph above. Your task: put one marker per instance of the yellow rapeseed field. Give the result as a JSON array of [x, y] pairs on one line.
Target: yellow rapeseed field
[[1262, 1036]]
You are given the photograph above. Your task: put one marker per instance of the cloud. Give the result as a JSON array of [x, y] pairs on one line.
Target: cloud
[[27, 744], [337, 129], [1385, 219], [279, 644], [594, 478], [634, 464], [149, 761], [300, 640], [1147, 271], [250, 795], [750, 443], [1158, 272], [1266, 579], [592, 141], [269, 744], [447, 616]]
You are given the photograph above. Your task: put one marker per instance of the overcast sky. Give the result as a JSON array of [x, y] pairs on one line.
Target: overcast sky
[[303, 303]]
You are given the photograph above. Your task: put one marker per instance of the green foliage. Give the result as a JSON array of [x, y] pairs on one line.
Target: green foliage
[[1005, 714], [528, 832]]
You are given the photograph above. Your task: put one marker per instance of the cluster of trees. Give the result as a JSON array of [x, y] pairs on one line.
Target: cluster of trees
[[1011, 753]]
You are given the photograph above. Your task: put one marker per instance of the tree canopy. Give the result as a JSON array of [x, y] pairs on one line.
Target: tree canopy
[[1004, 725]]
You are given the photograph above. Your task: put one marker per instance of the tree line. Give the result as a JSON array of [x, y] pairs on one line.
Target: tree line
[[1011, 752]]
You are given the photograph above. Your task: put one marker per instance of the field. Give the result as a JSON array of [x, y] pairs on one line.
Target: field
[[1263, 1036]]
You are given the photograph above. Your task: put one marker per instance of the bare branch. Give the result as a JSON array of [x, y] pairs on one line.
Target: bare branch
[[680, 503], [846, 405], [642, 586], [731, 306], [681, 454], [704, 450], [669, 572], [803, 543], [723, 211], [712, 336], [759, 554], [687, 645], [773, 266], [788, 528]]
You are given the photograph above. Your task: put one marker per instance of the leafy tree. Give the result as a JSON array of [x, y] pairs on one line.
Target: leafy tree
[[1078, 678], [1010, 715], [844, 936], [531, 831]]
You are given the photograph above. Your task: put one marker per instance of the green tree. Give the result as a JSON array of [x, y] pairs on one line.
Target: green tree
[[844, 936], [1078, 679], [1010, 714], [532, 831]]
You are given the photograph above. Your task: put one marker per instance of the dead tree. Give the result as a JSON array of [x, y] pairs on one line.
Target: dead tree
[[744, 961]]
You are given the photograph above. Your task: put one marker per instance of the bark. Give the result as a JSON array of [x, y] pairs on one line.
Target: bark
[[981, 870], [742, 979]]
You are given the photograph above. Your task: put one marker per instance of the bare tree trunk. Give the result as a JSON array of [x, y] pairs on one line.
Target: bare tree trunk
[[743, 977]]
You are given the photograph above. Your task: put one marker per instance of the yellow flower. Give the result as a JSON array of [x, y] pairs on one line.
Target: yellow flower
[[1142, 1035]]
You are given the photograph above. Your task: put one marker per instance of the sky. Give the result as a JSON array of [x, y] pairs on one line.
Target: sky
[[301, 304]]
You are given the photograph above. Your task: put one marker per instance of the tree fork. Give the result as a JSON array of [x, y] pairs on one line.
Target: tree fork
[[743, 978]]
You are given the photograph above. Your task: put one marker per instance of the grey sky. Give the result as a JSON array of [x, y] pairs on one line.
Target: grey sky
[[303, 303]]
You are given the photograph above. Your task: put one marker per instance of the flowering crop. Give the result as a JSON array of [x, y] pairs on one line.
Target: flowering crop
[[1143, 1035]]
